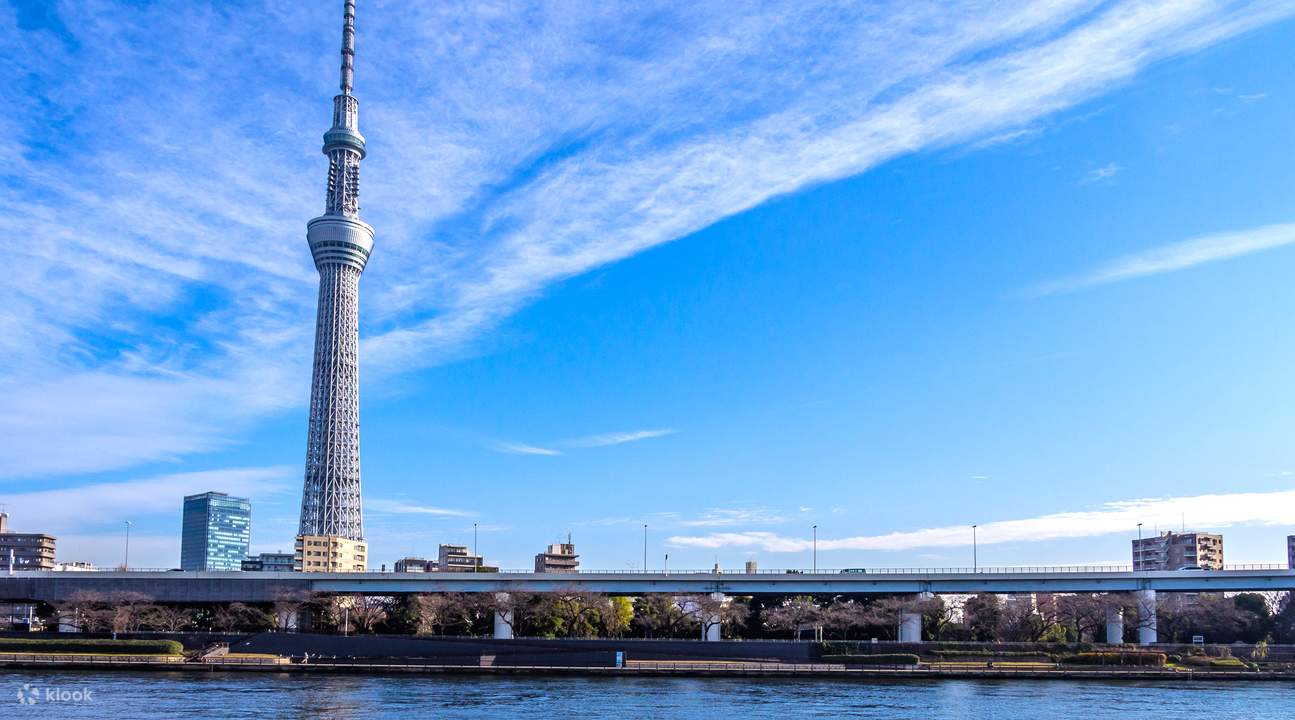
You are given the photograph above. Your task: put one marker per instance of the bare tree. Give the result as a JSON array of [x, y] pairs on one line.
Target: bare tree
[[239, 616], [288, 603], [128, 610], [842, 616], [168, 618], [369, 611], [709, 611], [513, 608], [432, 612], [794, 614], [84, 610]]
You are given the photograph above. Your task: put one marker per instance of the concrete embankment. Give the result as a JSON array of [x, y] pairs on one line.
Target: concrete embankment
[[684, 669]]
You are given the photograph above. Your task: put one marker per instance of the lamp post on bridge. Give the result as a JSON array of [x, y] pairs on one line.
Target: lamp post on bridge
[[975, 552], [645, 547], [126, 563], [815, 560]]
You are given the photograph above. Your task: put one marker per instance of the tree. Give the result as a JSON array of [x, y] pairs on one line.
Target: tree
[[239, 616], [657, 615], [285, 612], [169, 618], [578, 613], [128, 610], [709, 611], [84, 610], [432, 613], [620, 613], [983, 615], [1084, 614], [794, 614], [842, 616], [513, 608], [368, 611]]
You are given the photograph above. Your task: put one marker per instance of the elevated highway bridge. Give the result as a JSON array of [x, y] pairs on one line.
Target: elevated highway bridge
[[251, 587]]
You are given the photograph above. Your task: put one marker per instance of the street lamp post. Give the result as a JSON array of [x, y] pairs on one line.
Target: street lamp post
[[975, 551], [815, 560], [126, 564], [644, 547], [1137, 550], [474, 540]]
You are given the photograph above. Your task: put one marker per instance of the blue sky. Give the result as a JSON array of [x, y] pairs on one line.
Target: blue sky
[[727, 270]]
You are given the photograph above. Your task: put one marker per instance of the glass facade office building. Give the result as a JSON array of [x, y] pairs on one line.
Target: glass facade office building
[[216, 533]]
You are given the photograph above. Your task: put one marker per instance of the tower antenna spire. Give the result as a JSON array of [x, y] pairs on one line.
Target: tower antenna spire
[[348, 48]]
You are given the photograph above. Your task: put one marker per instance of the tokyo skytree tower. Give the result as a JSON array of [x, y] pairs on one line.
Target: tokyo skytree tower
[[340, 243]]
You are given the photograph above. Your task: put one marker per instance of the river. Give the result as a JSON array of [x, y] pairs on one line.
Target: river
[[124, 695]]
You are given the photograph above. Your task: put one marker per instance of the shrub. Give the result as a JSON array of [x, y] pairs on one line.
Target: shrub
[[1141, 659], [883, 659], [94, 647]]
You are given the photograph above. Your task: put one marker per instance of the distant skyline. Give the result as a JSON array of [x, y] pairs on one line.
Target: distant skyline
[[726, 271]]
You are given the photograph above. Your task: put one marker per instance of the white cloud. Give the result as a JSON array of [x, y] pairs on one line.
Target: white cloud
[[1201, 511], [402, 507], [511, 448], [617, 438], [161, 296], [1105, 172], [725, 517], [1178, 256], [112, 502]]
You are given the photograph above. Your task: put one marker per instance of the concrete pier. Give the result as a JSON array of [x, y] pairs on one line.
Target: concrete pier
[[1114, 624], [711, 629], [503, 620], [1147, 617]]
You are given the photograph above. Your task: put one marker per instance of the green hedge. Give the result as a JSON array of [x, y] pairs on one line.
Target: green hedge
[[97, 647], [884, 659], [1142, 659]]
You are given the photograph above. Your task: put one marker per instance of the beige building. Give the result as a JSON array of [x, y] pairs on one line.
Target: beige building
[[1174, 551], [456, 558], [558, 558], [25, 551], [330, 553]]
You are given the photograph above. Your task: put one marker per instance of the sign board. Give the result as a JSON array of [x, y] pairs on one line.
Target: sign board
[[1198, 639], [620, 658]]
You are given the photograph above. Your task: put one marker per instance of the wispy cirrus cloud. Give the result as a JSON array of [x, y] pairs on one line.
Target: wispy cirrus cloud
[[1204, 511], [1177, 256], [162, 253], [512, 448], [1100, 174], [728, 517], [404, 507], [616, 438], [588, 441]]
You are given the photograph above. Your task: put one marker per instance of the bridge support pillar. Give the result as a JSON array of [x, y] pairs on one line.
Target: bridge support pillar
[[1146, 617], [711, 626], [1114, 624], [503, 620], [910, 622]]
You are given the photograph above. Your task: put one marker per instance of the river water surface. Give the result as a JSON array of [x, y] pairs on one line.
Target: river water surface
[[120, 695]]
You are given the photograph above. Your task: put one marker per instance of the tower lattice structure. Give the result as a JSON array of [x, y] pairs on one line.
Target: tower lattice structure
[[340, 243]]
